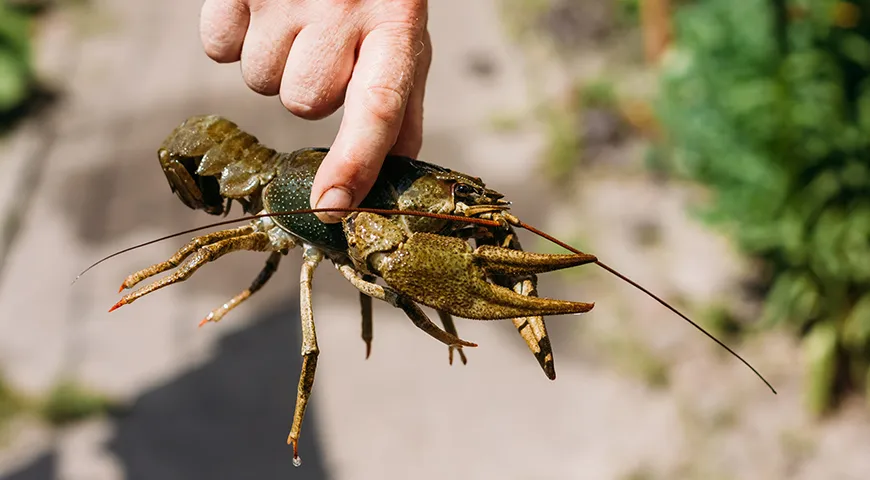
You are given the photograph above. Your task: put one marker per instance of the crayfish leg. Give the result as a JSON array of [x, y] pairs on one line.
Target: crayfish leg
[[175, 260], [534, 332], [419, 318], [450, 327], [365, 303], [532, 329], [257, 241], [311, 257], [265, 274], [386, 294]]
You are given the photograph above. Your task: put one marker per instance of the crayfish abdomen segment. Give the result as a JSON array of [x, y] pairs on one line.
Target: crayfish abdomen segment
[[208, 160]]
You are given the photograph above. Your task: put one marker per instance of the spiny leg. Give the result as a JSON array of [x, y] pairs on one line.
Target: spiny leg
[[534, 332], [365, 303], [450, 327], [257, 241], [417, 316], [183, 252], [265, 274], [532, 329], [310, 258]]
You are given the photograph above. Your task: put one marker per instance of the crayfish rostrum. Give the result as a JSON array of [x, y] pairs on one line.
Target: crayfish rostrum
[[411, 231]]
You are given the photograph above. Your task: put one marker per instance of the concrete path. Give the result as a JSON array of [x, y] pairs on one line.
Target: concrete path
[[216, 402]]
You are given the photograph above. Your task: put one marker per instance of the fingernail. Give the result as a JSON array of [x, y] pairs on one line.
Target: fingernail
[[335, 197]]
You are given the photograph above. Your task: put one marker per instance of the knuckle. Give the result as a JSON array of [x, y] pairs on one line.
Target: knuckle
[[385, 103], [308, 103], [307, 108], [222, 25], [424, 56], [260, 80], [412, 14], [403, 27], [219, 49], [301, 109]]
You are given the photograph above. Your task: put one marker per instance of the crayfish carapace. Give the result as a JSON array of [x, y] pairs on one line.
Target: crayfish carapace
[[412, 231]]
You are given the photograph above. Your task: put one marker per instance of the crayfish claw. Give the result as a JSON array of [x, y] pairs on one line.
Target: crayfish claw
[[464, 290], [511, 262]]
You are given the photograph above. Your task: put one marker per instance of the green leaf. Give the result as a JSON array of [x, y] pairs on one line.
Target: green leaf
[[14, 81], [820, 348], [15, 26], [856, 327]]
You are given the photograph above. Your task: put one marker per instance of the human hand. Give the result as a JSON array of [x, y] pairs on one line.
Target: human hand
[[371, 55]]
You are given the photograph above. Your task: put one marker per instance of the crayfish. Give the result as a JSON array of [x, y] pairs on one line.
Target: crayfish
[[411, 231]]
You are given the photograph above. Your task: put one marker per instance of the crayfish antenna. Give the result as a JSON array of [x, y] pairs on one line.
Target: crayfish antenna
[[379, 211], [655, 297]]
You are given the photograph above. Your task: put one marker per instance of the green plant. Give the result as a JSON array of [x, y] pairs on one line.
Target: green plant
[[11, 403], [767, 102], [17, 78], [69, 402]]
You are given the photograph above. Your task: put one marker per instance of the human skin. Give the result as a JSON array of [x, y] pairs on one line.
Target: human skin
[[372, 56]]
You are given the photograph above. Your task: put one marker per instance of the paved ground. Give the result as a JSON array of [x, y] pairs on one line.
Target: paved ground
[[216, 402]]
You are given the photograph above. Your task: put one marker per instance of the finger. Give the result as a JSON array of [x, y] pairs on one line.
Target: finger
[[222, 28], [270, 37], [374, 107], [410, 137], [318, 69]]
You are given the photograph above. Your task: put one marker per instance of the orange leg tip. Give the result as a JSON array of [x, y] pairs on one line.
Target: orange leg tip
[[123, 286], [203, 322], [118, 305]]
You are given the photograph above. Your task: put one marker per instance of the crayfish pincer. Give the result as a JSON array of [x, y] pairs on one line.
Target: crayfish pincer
[[411, 231]]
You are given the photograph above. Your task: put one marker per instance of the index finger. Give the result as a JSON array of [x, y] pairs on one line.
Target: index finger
[[374, 108]]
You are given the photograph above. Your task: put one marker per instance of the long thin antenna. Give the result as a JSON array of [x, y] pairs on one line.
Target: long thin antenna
[[651, 295], [478, 221], [379, 211]]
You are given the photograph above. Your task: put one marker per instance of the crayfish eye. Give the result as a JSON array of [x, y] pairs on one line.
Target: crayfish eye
[[464, 189]]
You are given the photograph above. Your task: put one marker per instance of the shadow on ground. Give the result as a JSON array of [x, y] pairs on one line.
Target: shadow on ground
[[227, 419], [43, 468]]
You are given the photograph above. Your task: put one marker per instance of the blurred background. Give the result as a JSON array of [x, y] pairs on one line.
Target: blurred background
[[715, 151]]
